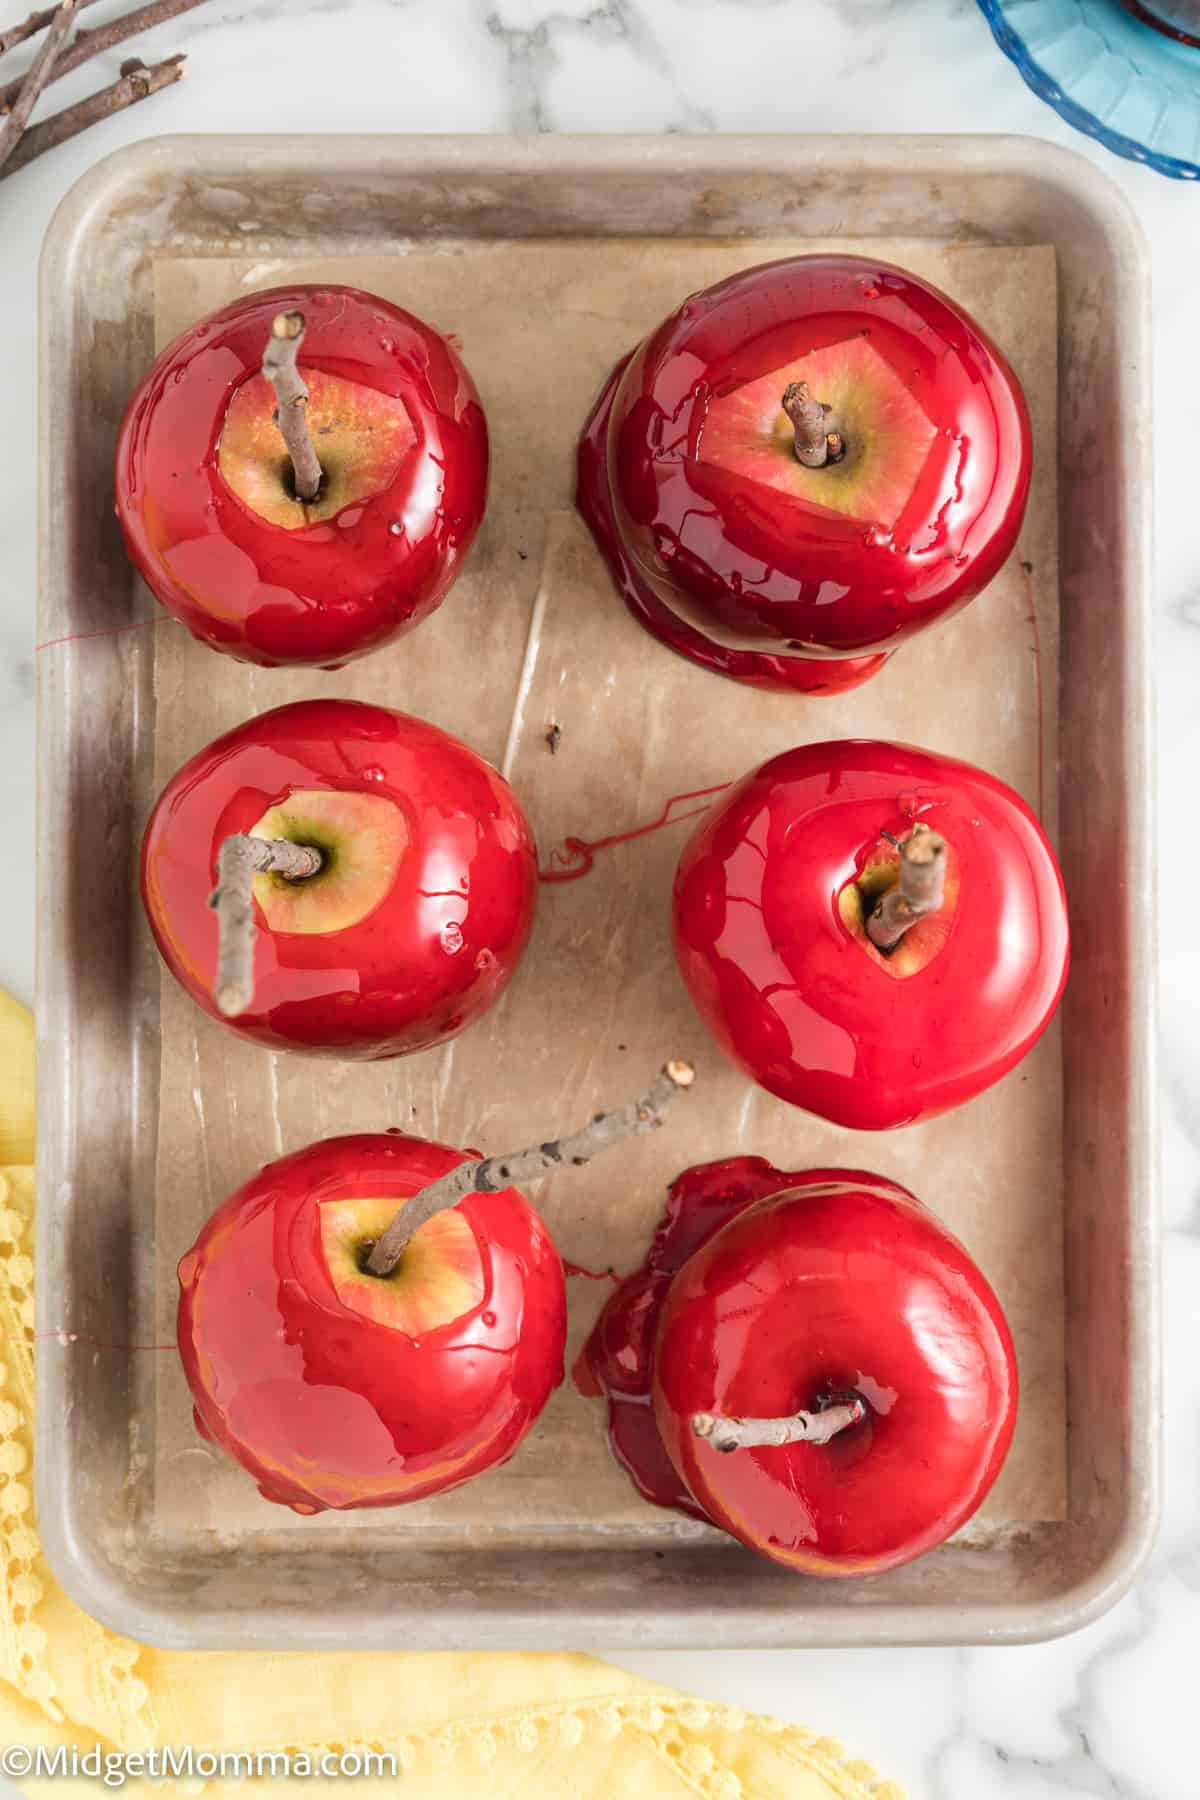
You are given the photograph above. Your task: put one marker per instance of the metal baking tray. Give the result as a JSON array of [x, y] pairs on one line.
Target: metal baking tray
[[98, 985]]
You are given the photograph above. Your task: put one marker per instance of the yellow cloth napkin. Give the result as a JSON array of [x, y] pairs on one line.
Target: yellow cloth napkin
[[485, 1727]]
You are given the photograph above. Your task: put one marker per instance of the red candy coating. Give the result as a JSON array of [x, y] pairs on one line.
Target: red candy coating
[[444, 938], [733, 554], [769, 1292], [326, 1407], [800, 1002], [337, 588]]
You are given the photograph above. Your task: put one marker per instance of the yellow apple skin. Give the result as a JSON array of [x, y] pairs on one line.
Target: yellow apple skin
[[362, 838], [922, 941], [438, 1279], [361, 436], [887, 433]]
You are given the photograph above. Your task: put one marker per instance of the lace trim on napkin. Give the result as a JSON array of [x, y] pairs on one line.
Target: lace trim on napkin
[[124, 1698], [22, 1640], [674, 1728]]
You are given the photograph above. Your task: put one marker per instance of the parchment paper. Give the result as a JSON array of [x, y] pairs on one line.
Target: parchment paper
[[534, 635]]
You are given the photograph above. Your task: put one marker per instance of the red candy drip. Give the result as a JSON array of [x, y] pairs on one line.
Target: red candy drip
[[577, 855], [616, 1362]]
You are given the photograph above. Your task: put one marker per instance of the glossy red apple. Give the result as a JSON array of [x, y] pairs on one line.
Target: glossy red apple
[[798, 574], [376, 1318], [1179, 19], [827, 1312], [775, 897], [424, 891], [206, 492], [334, 1387]]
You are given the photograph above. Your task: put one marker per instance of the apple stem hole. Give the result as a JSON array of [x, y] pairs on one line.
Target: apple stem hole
[[279, 365], [727, 1434], [362, 1256], [492, 1174], [287, 481], [918, 890], [239, 860]]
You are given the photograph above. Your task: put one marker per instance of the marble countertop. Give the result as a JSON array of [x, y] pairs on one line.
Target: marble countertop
[[1112, 1710]]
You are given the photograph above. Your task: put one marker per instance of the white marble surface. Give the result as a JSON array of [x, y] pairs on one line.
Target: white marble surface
[[1113, 1710]]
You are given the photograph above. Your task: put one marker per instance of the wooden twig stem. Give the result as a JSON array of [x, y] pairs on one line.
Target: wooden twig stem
[[36, 77], [728, 1434], [494, 1173], [919, 890], [86, 44], [37, 21], [241, 859], [818, 439], [291, 413], [136, 83]]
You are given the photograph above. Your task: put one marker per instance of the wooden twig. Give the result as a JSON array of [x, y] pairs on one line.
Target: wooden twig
[[279, 365], [818, 441], [37, 21], [86, 44], [241, 858], [729, 1434], [137, 83], [35, 79], [494, 1173], [919, 890]]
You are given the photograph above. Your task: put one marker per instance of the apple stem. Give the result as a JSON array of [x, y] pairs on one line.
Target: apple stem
[[241, 858], [918, 891], [727, 1434], [818, 441], [492, 1174], [291, 413]]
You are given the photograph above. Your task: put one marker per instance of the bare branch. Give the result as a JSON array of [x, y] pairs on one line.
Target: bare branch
[[37, 21], [279, 367], [137, 83], [919, 890], [727, 1434], [494, 1173], [36, 77], [818, 440], [241, 858], [86, 44]]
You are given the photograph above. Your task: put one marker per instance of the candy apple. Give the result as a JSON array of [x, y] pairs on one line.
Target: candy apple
[[377, 880], [810, 1361], [375, 1319], [338, 1388], [803, 466], [1179, 19], [302, 511], [873, 932]]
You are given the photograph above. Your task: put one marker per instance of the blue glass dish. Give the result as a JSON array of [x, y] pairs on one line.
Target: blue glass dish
[[1135, 89]]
